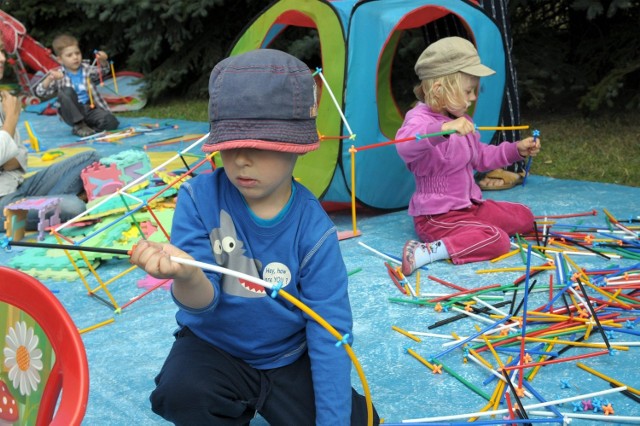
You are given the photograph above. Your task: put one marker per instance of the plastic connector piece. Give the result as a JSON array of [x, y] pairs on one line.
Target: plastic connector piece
[[276, 289], [343, 341], [5, 243]]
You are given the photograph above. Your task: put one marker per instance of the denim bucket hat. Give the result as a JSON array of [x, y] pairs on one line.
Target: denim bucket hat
[[263, 99]]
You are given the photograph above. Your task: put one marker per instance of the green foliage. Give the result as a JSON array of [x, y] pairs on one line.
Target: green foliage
[[179, 109], [602, 148], [577, 53], [174, 43], [569, 53]]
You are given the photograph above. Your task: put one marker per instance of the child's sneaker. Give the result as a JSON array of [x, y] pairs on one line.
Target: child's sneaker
[[82, 129], [408, 256]]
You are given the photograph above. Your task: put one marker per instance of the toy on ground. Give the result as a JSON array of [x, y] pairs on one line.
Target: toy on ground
[[16, 216], [114, 172]]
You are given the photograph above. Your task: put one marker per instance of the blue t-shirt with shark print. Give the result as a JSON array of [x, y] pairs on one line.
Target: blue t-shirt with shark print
[[299, 249]]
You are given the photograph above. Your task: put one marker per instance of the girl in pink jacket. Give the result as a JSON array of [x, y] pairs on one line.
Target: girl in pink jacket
[[449, 213]]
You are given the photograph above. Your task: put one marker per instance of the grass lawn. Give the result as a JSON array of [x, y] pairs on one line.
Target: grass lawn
[[602, 148]]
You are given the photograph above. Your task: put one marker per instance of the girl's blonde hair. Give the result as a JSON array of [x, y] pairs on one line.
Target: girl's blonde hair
[[445, 96]]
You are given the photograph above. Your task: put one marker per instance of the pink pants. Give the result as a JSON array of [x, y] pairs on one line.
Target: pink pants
[[479, 232]]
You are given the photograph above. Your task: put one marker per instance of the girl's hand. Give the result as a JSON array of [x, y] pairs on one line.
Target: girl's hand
[[461, 125], [155, 259], [529, 147]]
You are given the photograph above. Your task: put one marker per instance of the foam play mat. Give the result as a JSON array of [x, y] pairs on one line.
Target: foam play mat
[[444, 347]]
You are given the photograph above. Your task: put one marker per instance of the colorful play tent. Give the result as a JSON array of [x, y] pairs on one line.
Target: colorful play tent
[[358, 42]]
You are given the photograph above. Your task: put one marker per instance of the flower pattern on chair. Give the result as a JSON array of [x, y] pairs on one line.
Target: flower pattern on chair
[[23, 358]]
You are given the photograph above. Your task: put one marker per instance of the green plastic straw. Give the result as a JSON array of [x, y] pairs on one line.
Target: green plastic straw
[[464, 381], [355, 271], [412, 301]]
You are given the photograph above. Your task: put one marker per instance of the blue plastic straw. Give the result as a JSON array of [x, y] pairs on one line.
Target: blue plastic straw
[[541, 399], [469, 338], [536, 133]]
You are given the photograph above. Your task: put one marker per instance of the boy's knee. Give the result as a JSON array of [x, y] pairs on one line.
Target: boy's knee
[[111, 123], [184, 403], [107, 122]]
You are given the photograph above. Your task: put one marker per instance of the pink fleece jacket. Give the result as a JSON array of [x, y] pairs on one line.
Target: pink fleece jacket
[[443, 166]]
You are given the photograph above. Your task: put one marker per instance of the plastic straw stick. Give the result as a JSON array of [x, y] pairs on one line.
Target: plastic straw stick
[[465, 382], [113, 74], [576, 344], [406, 333], [473, 336], [98, 325], [523, 127], [536, 133], [424, 361], [352, 151], [335, 102], [91, 104], [389, 258], [605, 419], [131, 184], [607, 378], [527, 407]]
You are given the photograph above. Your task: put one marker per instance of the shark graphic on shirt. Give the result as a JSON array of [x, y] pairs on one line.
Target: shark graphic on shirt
[[229, 252]]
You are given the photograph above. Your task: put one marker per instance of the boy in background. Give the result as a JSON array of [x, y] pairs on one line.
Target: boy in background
[[81, 105]]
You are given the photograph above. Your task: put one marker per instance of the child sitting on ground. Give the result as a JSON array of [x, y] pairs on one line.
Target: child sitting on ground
[[81, 105], [239, 351], [449, 213]]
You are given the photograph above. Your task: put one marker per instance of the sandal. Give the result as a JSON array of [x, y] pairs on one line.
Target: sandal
[[82, 129], [508, 179]]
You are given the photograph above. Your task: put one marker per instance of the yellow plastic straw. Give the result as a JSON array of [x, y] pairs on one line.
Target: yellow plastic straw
[[515, 269], [93, 327], [572, 343], [479, 357], [113, 74], [506, 255], [607, 378], [424, 361], [90, 94], [524, 127], [535, 370], [406, 333], [353, 151]]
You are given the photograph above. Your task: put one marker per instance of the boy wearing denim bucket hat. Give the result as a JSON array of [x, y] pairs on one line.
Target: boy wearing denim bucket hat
[[449, 214], [239, 351]]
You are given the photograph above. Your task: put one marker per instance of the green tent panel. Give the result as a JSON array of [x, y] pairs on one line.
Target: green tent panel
[[358, 43], [315, 169]]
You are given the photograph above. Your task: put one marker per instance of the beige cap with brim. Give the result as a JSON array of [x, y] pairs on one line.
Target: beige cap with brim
[[450, 55]]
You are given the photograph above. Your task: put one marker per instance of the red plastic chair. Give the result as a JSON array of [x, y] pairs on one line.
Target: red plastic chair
[[70, 371]]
